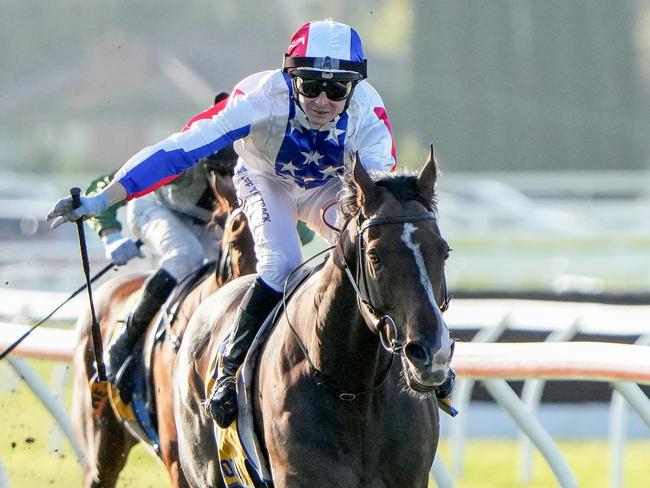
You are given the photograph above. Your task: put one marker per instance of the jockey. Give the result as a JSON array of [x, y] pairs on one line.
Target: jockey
[[296, 131], [173, 222]]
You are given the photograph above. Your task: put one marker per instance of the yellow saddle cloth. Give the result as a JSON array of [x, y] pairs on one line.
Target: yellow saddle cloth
[[241, 461], [233, 458]]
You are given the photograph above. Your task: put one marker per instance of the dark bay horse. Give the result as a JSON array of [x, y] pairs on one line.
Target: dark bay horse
[[105, 440], [343, 388]]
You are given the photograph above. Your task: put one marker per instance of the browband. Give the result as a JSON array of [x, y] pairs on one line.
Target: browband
[[395, 220]]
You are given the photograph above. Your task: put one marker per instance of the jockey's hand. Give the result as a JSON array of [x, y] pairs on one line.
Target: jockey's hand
[[120, 249], [64, 212]]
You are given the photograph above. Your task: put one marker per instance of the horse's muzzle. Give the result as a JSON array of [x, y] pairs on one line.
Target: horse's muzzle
[[426, 369]]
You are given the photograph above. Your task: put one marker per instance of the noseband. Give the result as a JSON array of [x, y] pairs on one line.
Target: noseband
[[383, 323]]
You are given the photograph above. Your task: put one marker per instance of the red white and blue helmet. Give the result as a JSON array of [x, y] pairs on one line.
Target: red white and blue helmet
[[326, 49]]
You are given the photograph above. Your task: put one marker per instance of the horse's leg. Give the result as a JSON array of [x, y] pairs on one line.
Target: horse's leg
[[113, 444], [197, 447], [163, 359], [82, 416], [104, 441]]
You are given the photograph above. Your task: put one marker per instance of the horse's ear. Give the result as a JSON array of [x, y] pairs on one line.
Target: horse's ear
[[428, 176], [365, 185], [224, 192]]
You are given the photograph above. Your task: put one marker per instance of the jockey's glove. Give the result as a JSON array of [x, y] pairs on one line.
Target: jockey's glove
[[120, 250], [64, 212]]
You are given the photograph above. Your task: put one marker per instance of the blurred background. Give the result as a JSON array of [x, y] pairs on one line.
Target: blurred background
[[539, 112]]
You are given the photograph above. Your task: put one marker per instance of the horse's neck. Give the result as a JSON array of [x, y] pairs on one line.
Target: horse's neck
[[342, 346], [237, 252]]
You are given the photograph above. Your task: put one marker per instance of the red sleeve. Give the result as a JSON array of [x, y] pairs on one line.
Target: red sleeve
[[207, 114]]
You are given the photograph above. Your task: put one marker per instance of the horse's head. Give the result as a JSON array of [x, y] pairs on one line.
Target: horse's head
[[220, 170], [237, 255], [400, 268]]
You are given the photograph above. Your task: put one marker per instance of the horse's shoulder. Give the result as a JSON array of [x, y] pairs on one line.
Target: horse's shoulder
[[224, 298], [194, 298], [207, 319], [120, 286]]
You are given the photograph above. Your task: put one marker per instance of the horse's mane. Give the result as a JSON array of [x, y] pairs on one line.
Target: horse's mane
[[401, 184]]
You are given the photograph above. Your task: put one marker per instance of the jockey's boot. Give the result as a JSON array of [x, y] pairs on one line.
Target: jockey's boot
[[256, 305], [156, 290]]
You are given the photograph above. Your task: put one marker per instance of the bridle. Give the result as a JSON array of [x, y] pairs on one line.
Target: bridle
[[359, 282], [382, 323]]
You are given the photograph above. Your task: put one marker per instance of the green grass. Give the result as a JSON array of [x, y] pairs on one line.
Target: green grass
[[26, 427], [25, 433], [495, 463]]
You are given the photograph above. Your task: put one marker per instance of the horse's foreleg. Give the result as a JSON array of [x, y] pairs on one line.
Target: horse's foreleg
[[163, 360], [112, 446], [105, 443], [196, 441]]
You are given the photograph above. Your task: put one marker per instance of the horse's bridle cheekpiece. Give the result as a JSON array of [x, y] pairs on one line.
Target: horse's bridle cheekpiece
[[360, 280], [359, 283]]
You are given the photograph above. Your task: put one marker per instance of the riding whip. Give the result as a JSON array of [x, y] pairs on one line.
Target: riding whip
[[99, 384], [98, 275]]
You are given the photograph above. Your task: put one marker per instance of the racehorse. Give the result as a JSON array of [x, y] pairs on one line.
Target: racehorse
[[104, 438], [342, 390]]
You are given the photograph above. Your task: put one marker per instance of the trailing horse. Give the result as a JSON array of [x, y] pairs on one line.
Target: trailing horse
[[107, 440], [343, 388]]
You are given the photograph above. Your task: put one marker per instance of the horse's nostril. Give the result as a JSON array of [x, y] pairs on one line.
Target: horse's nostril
[[416, 353]]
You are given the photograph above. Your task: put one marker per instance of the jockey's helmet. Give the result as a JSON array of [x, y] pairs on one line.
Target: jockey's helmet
[[328, 51]]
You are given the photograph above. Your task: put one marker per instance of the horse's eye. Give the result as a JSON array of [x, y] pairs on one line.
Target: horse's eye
[[447, 252], [373, 258]]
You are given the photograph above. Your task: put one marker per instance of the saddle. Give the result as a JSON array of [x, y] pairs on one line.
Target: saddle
[[136, 407], [243, 463]]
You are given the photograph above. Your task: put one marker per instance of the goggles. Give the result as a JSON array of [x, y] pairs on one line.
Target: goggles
[[335, 90]]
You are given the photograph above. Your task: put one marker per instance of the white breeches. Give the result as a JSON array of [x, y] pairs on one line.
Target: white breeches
[[179, 242], [273, 206]]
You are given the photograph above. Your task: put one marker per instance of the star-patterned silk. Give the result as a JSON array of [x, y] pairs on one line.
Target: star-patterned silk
[[311, 156]]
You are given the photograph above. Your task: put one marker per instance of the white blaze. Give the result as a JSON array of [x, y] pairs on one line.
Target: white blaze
[[407, 238]]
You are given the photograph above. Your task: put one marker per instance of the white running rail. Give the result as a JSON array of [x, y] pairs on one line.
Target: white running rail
[[623, 365]]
